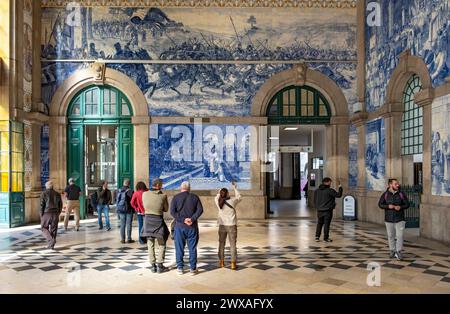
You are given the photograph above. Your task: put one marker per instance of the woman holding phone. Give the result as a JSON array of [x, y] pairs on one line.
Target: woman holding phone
[[227, 223]]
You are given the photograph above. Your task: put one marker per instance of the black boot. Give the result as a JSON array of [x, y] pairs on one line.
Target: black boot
[[161, 268], [154, 268]]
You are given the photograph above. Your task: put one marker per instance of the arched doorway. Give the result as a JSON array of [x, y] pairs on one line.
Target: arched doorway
[[299, 114], [99, 139], [136, 124], [306, 101]]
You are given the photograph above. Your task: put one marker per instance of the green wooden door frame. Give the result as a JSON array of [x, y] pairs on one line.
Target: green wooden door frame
[[298, 105], [98, 105]]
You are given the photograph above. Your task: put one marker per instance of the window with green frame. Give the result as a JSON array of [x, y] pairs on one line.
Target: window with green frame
[[299, 105], [100, 101], [412, 121]]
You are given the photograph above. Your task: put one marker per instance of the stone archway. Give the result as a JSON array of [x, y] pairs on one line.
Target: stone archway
[[301, 75], [336, 132], [397, 165], [97, 74]]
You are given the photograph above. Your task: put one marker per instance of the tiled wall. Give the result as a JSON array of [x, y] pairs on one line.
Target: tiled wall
[[375, 155]]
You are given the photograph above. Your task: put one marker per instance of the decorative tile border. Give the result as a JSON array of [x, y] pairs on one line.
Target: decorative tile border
[[341, 4]]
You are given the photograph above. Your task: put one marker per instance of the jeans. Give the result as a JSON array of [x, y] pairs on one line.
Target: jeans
[[324, 219], [231, 232], [191, 236], [140, 219], [395, 235], [126, 221], [154, 243], [103, 209]]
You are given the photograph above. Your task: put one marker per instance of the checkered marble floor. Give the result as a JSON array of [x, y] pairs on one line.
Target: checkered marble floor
[[275, 256]]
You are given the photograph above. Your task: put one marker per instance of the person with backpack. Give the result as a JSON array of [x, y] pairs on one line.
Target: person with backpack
[[136, 203], [325, 202], [186, 208], [227, 224], [125, 211], [394, 202], [103, 200], [155, 228]]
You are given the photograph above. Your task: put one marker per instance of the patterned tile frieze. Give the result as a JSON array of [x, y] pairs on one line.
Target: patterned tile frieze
[[344, 4]]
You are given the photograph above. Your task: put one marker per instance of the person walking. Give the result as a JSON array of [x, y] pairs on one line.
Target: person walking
[[72, 193], [325, 202], [104, 199], [136, 203], [227, 224], [394, 202], [186, 208], [155, 229], [125, 211], [50, 209]]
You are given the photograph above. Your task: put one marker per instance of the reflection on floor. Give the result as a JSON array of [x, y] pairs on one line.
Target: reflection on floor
[[291, 209], [275, 256]]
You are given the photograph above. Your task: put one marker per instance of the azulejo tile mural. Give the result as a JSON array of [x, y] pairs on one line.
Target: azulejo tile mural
[[209, 156], [353, 157], [232, 54], [45, 161], [209, 3], [375, 155], [440, 146], [422, 27]]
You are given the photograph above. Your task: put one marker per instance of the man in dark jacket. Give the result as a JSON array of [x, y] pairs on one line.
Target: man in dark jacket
[[394, 202], [186, 208], [50, 209], [104, 197], [325, 202], [125, 211]]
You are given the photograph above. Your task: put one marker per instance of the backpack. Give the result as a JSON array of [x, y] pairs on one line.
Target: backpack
[[402, 196], [122, 201], [94, 200]]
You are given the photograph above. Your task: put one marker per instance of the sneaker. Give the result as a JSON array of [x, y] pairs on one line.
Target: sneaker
[[399, 255], [100, 228], [193, 272], [328, 240], [154, 269], [77, 229], [180, 271], [392, 254], [109, 228], [317, 239], [122, 241], [131, 241]]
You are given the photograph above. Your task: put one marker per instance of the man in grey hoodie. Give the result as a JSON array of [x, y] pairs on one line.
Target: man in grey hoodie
[[325, 202]]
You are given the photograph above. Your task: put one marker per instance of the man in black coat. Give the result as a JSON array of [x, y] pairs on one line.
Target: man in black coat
[[325, 202], [394, 202]]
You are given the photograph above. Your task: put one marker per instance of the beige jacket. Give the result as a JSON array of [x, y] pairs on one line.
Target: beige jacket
[[155, 202], [227, 215]]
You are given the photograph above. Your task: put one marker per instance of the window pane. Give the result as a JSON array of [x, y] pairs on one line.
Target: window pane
[[322, 111], [285, 111], [126, 110], [4, 181], [286, 97], [293, 112], [304, 97], [292, 96], [304, 111]]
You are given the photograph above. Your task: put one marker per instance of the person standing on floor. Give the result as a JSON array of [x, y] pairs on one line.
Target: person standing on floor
[[125, 211], [136, 203], [227, 224], [72, 194], [394, 202], [50, 209], [186, 208], [104, 199], [155, 228], [325, 202]]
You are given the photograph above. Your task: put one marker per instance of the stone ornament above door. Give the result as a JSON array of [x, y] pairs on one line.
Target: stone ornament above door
[[319, 4]]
